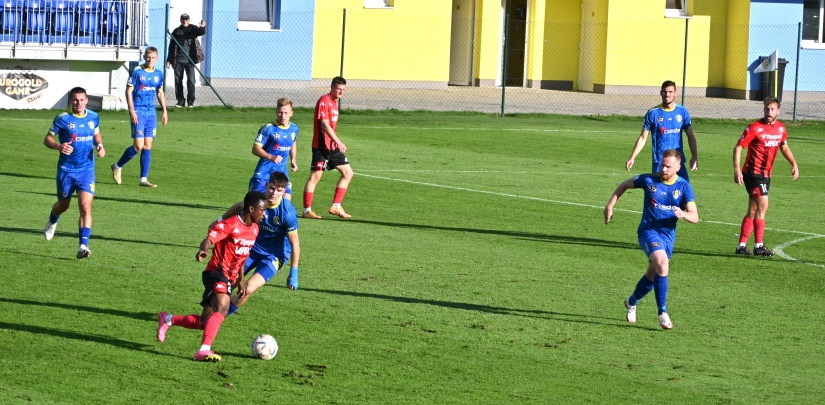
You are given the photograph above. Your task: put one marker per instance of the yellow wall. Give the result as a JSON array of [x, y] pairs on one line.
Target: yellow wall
[[644, 48], [736, 56], [488, 39], [717, 10], [535, 35], [409, 42], [562, 33]]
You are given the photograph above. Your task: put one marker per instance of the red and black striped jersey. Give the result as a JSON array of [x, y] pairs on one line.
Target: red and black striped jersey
[[763, 142]]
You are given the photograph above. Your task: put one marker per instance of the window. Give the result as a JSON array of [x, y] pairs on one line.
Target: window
[[378, 3], [812, 22], [675, 8], [259, 15]]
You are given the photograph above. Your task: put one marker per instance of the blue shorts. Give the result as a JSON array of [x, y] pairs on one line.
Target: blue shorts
[[256, 184], [147, 124], [651, 241], [69, 182], [265, 265]]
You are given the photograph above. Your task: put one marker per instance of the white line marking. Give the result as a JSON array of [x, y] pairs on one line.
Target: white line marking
[[778, 249]]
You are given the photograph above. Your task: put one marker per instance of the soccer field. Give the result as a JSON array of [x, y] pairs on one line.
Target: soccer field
[[477, 268]]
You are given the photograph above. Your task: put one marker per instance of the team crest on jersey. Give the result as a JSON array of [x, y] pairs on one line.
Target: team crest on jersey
[[91, 125], [678, 118], [157, 79], [292, 135], [676, 194]]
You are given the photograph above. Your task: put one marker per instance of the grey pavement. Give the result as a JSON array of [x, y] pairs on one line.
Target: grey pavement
[[517, 100]]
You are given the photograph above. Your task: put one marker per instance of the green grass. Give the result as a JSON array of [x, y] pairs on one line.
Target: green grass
[[477, 269]]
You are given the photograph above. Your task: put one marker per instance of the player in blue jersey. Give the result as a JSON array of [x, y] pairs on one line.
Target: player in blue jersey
[[275, 146], [666, 123], [144, 85], [76, 134], [665, 193], [277, 241]]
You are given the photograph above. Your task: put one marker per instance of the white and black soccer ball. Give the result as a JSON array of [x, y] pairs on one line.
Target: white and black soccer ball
[[264, 347]]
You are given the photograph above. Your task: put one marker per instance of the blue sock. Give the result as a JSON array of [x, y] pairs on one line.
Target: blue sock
[[232, 308], [660, 284], [642, 288], [85, 234], [145, 161], [128, 154], [53, 219]]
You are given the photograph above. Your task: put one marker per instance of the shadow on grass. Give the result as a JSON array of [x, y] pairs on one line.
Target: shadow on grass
[[141, 316], [28, 253], [94, 237], [25, 176], [144, 202], [542, 237], [532, 313]]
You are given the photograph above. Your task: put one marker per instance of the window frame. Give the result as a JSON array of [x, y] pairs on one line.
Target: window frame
[[676, 12], [379, 4], [818, 43], [273, 10]]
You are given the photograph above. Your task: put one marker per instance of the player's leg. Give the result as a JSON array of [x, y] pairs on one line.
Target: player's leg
[[659, 268], [130, 152], [760, 249], [213, 315], [288, 191], [146, 153], [85, 196], [339, 161], [65, 188], [754, 190], [316, 171]]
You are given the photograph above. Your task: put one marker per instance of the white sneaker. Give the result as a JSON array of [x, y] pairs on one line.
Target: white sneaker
[[48, 231], [631, 311], [116, 173], [664, 321], [83, 252]]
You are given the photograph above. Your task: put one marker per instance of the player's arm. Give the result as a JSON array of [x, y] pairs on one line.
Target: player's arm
[[694, 151], [50, 142], [786, 151], [258, 150], [230, 212], [327, 128], [130, 103], [640, 144], [737, 171], [98, 142], [162, 100], [294, 259], [206, 244], [239, 281], [608, 209], [293, 157], [691, 214]]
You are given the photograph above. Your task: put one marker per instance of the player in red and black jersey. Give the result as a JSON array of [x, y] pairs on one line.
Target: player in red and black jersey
[[232, 239], [328, 152], [764, 139]]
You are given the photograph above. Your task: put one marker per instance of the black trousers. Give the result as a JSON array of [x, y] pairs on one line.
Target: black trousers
[[180, 68]]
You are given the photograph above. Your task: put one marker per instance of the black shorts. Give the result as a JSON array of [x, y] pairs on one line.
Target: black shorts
[[756, 185], [323, 159], [214, 282]]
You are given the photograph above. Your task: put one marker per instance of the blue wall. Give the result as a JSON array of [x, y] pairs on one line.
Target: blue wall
[[285, 54]]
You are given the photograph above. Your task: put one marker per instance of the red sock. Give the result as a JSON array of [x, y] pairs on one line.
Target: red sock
[[213, 324], [187, 321], [339, 195], [745, 230], [759, 227], [308, 199]]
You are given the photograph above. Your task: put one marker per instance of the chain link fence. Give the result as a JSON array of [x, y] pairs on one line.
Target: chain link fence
[[564, 74]]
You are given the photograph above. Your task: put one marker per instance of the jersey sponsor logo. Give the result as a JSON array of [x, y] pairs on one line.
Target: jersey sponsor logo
[[76, 138], [771, 144], [242, 250], [672, 131]]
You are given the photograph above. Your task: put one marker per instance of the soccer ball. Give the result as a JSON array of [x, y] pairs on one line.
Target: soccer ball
[[264, 347]]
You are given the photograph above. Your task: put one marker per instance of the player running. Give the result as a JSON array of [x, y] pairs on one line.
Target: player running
[[78, 139], [275, 146], [664, 193], [232, 240]]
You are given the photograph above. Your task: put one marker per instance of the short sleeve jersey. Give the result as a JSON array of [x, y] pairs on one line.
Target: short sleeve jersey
[[666, 127], [325, 109], [145, 84], [80, 130], [763, 142], [660, 198], [279, 221], [233, 241], [277, 141]]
